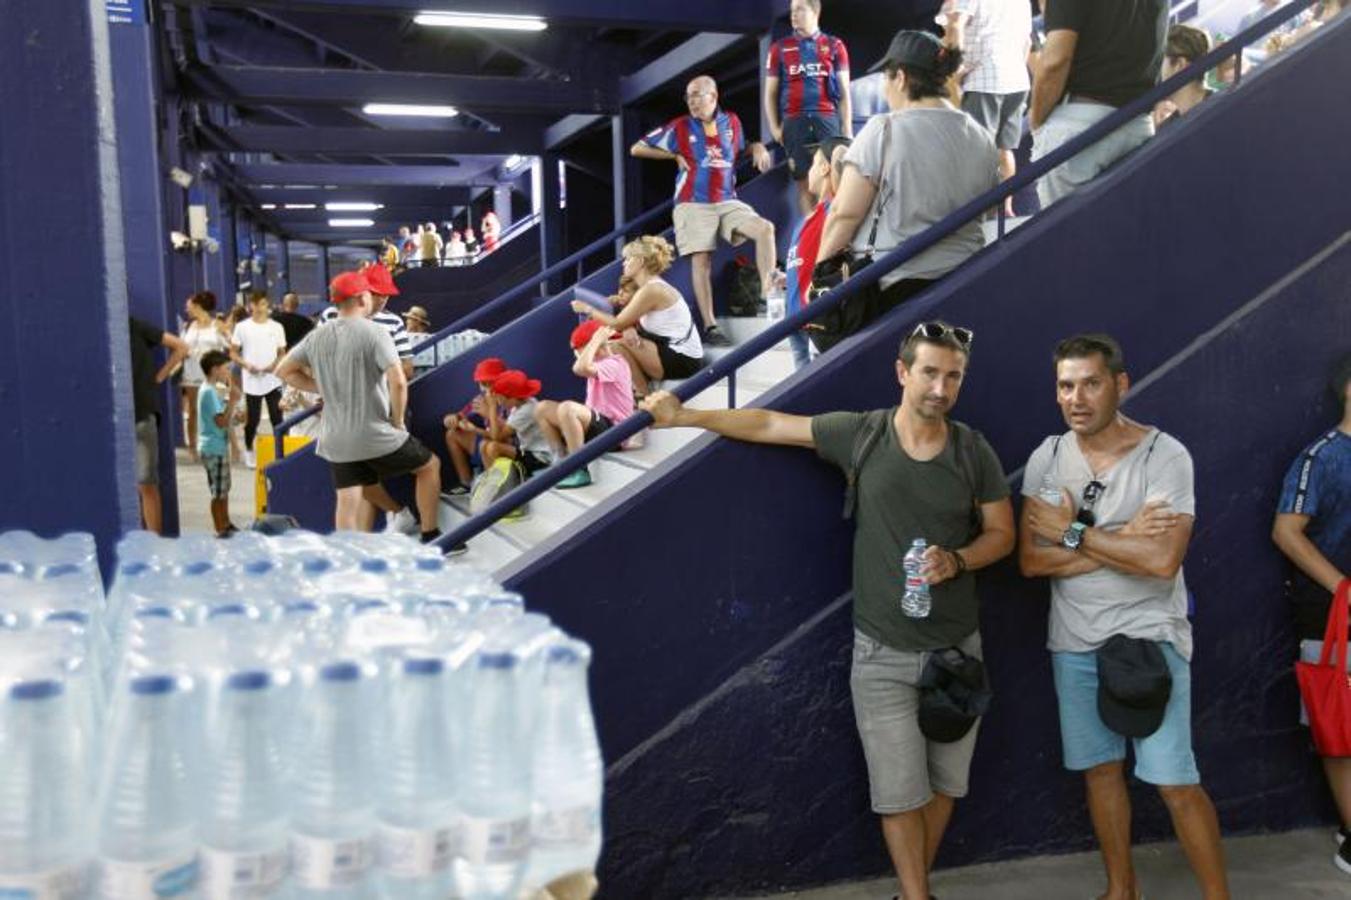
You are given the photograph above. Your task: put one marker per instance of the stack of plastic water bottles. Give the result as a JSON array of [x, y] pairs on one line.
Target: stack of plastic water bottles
[[285, 717]]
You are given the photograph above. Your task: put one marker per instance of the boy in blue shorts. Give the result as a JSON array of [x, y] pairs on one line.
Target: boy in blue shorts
[[213, 446]]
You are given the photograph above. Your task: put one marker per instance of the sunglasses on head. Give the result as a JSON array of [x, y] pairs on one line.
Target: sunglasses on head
[[1092, 493], [936, 331]]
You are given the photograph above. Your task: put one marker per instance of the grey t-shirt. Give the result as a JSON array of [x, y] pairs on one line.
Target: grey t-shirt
[[348, 357], [938, 160], [528, 435], [900, 499], [1088, 609]]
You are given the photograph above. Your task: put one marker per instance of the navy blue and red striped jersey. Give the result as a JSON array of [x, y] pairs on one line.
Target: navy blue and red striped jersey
[[808, 70], [802, 253], [711, 150]]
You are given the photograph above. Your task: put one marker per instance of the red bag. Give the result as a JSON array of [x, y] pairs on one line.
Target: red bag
[[1325, 685]]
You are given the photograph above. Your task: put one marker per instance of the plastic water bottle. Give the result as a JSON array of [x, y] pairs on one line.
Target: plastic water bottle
[[242, 800], [418, 819], [495, 789], [332, 815], [1049, 492], [916, 601], [44, 847], [147, 842], [776, 304], [568, 774]]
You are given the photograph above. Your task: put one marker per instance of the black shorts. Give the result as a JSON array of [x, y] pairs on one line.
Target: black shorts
[[673, 363], [801, 134], [599, 425], [412, 455], [533, 462]]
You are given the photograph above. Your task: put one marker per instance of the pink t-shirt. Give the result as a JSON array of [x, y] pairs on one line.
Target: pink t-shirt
[[610, 391]]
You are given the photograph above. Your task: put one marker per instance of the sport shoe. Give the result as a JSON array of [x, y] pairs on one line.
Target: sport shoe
[[714, 337], [459, 489], [1343, 858], [250, 460], [518, 514], [403, 522], [459, 549], [580, 478], [1342, 834]]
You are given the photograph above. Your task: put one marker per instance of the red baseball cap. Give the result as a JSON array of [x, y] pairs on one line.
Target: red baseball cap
[[582, 334], [488, 369], [347, 285], [381, 281], [516, 384]]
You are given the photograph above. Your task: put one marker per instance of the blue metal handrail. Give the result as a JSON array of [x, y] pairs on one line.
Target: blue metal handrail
[[866, 277]]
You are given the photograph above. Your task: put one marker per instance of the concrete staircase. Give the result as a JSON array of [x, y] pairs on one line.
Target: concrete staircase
[[508, 543]]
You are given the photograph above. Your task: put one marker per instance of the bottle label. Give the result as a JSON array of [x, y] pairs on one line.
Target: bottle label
[[243, 876], [566, 827], [54, 884], [495, 841], [322, 863], [147, 881], [915, 582], [414, 853]]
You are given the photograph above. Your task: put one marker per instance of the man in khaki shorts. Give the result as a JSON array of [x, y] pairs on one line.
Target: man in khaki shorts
[[705, 146]]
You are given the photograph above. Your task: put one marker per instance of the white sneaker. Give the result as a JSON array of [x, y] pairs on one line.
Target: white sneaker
[[250, 460], [403, 522]]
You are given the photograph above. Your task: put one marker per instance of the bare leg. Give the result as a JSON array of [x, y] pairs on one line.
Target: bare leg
[[347, 514], [220, 514], [1339, 779], [152, 510], [766, 257], [906, 840], [1198, 830], [573, 420], [459, 454], [701, 277], [546, 416], [1007, 168], [190, 401], [937, 814], [427, 486], [377, 496], [641, 386], [365, 514], [492, 451], [1110, 808]]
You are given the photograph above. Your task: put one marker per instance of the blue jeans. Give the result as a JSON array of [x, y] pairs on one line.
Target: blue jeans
[[1163, 758], [802, 351]]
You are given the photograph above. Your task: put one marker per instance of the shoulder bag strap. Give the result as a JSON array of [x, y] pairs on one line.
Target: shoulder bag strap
[[874, 426]]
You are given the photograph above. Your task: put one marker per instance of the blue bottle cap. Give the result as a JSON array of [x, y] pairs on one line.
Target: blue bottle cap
[[198, 568], [155, 612], [300, 606], [134, 568], [374, 565], [259, 567], [562, 654], [228, 609], [340, 671], [68, 615], [362, 606], [248, 681], [153, 685], [60, 569], [497, 660], [423, 666], [316, 566], [430, 565], [36, 690]]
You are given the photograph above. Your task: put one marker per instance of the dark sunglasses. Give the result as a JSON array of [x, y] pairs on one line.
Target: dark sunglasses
[[936, 331], [1092, 493]]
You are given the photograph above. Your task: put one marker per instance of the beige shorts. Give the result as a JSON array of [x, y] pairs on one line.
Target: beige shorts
[[698, 225]]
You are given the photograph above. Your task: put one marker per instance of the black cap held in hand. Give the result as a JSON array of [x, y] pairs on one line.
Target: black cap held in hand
[[1134, 685]]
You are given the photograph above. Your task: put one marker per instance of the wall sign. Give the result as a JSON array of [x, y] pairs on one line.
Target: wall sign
[[125, 12]]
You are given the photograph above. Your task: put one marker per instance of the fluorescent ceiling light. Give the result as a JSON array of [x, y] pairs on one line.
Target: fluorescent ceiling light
[[269, 206], [513, 161], [351, 223], [441, 19], [299, 206], [409, 109], [353, 207]]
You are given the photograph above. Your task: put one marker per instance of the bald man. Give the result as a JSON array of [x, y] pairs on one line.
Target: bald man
[[704, 146]]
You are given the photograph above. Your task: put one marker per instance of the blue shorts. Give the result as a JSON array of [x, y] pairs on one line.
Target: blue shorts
[[1165, 757], [801, 134]]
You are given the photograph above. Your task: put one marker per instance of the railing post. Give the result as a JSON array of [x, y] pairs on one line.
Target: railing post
[[731, 389], [999, 218]]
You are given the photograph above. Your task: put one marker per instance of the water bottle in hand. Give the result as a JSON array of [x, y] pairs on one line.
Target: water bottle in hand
[[916, 601], [1049, 492]]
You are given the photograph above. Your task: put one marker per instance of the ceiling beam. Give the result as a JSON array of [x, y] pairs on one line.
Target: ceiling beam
[[365, 141], [390, 196], [268, 85], [745, 16], [282, 174], [674, 65], [389, 218]]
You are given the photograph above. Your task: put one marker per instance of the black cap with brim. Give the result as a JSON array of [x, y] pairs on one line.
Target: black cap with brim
[[954, 693], [1134, 686], [918, 49]]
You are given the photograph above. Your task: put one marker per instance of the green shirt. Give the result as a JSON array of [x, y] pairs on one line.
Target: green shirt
[[900, 499]]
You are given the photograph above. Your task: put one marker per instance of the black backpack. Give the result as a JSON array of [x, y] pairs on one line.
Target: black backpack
[[964, 439], [744, 298]]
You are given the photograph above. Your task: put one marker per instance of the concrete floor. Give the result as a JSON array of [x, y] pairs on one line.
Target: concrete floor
[[1296, 865], [194, 512]]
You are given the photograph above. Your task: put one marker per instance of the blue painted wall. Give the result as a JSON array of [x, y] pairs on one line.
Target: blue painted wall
[[734, 765]]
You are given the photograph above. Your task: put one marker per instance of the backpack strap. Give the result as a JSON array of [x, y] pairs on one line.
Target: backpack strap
[[964, 441], [873, 427]]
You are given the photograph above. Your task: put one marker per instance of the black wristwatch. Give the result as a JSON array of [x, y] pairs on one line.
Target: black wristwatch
[[1073, 538]]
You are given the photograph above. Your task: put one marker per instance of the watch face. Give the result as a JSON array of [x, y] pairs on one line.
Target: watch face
[[1072, 538]]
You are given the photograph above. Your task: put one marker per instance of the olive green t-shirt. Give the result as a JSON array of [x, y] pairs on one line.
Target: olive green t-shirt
[[900, 499]]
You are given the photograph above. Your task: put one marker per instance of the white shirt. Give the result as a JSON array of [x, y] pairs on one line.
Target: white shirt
[[998, 36], [200, 339], [258, 343]]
